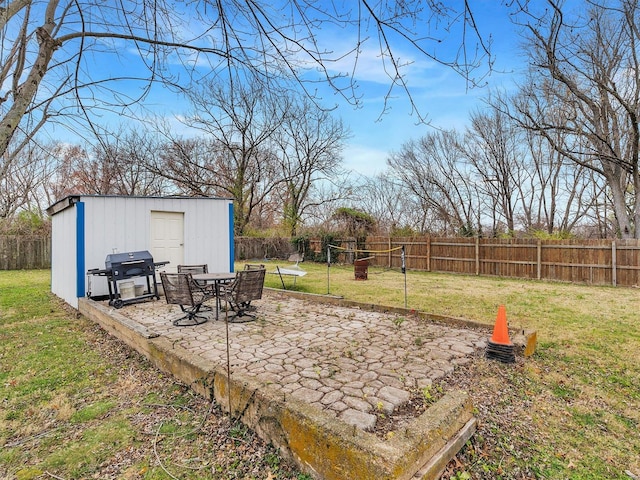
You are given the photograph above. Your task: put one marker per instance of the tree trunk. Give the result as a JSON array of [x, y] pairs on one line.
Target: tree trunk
[[25, 92]]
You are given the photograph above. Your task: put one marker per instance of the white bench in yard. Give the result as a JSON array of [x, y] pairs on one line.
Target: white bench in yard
[[294, 271]]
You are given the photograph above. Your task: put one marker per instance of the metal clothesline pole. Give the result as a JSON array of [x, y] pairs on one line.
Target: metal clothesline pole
[[328, 268], [404, 272]]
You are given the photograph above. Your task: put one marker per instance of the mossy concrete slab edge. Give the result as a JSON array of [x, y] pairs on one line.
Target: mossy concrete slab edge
[[330, 449], [318, 443], [435, 467], [116, 324]]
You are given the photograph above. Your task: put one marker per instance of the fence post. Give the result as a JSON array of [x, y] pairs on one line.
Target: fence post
[[389, 251], [614, 262], [539, 259], [429, 253], [477, 256]]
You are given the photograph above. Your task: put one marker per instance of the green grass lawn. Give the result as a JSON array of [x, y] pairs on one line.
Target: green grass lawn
[[77, 404]]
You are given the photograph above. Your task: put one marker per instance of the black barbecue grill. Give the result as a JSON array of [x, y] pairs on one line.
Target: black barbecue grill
[[124, 266]]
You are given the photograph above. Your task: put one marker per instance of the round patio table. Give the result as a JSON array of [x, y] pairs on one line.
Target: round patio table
[[217, 278]]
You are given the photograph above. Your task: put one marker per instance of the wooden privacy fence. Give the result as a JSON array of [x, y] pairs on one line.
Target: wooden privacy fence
[[598, 262], [18, 252]]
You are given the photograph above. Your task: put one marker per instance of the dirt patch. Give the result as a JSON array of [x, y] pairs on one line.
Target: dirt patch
[[496, 392], [421, 399], [502, 406]]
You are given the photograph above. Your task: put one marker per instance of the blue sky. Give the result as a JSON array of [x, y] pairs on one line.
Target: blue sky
[[440, 93]]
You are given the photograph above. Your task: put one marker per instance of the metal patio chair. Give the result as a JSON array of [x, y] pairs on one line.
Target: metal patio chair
[[247, 286], [180, 289], [195, 269]]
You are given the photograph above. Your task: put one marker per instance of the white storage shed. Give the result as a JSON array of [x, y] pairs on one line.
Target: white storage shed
[[180, 230]]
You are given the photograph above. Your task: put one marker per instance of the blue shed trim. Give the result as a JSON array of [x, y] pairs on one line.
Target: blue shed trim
[[80, 250], [231, 240]]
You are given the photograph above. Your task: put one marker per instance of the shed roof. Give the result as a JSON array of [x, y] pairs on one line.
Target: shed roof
[[71, 200]]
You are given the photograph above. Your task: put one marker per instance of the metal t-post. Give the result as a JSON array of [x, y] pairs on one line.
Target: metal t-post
[[328, 267], [404, 272]]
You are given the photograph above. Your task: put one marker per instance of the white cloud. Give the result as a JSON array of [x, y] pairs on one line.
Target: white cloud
[[364, 160], [370, 65]]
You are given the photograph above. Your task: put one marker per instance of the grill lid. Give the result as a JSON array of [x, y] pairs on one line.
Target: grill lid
[[117, 259]]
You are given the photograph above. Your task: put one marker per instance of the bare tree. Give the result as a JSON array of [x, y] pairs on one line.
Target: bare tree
[[492, 148], [127, 154], [243, 121], [68, 160], [584, 96], [326, 198], [309, 151], [268, 150], [430, 169], [18, 181], [114, 166], [27, 177], [562, 191], [190, 166], [42, 170], [599, 223], [52, 52], [387, 200]]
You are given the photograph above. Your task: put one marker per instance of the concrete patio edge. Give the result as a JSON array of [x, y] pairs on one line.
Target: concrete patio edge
[[318, 443]]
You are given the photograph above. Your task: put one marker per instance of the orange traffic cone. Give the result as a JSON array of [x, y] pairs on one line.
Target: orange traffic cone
[[500, 330], [500, 347]]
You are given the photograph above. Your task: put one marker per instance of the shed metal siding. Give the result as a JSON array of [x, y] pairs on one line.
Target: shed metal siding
[[205, 232]]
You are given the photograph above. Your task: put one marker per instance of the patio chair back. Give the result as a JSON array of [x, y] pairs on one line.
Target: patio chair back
[[180, 289], [193, 268], [248, 285], [176, 288]]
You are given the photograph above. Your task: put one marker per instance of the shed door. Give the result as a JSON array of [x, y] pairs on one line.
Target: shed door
[[167, 238]]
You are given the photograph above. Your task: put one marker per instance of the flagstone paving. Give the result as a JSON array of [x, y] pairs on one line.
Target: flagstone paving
[[349, 362]]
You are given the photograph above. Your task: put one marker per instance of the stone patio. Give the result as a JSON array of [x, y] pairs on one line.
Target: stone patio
[[345, 361]]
